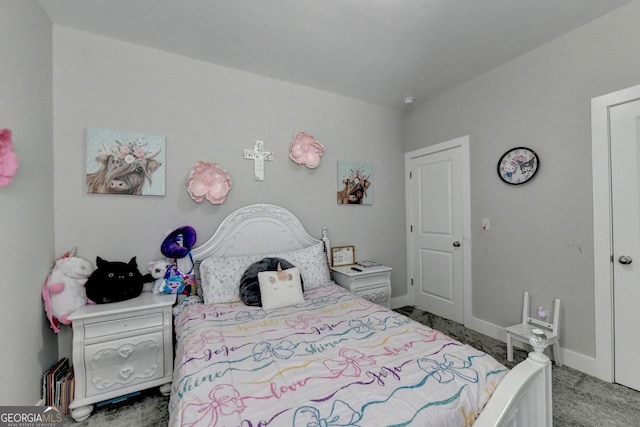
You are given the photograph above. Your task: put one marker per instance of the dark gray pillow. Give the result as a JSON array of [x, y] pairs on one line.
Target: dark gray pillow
[[249, 286]]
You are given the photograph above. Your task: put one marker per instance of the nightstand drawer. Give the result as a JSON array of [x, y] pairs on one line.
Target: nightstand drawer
[[99, 329], [365, 282], [376, 294], [124, 362]]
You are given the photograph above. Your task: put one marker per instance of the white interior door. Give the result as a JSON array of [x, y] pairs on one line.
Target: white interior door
[[625, 195], [435, 214]]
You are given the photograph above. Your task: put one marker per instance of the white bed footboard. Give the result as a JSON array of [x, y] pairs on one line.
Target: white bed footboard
[[523, 398]]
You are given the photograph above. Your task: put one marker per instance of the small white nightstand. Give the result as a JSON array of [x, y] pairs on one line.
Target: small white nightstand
[[372, 283], [121, 348]]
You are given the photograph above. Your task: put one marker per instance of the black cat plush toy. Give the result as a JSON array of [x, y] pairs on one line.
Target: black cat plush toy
[[114, 281]]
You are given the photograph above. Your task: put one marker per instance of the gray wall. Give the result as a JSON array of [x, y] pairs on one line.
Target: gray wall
[[211, 113], [26, 206], [541, 236]]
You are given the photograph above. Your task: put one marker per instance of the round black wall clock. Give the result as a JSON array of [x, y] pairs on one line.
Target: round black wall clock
[[518, 165]]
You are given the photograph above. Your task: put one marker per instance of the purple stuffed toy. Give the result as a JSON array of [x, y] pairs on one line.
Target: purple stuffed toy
[[175, 246]]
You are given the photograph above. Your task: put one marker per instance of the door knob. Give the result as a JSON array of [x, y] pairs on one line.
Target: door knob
[[625, 259], [456, 244]]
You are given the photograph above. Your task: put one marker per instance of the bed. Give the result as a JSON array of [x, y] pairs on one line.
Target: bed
[[330, 358]]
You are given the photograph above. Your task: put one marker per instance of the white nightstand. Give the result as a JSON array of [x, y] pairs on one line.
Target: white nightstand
[[121, 348], [372, 283]]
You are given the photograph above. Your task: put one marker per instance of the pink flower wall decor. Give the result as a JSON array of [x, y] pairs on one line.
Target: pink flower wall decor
[[305, 150], [210, 181], [8, 159]]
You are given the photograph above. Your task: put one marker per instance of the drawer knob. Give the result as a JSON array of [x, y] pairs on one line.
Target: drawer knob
[[126, 372]]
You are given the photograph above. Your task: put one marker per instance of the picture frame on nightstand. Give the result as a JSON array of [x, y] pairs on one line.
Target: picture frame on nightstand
[[343, 255]]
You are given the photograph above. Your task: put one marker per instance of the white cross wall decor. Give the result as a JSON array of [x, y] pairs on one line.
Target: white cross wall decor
[[258, 155]]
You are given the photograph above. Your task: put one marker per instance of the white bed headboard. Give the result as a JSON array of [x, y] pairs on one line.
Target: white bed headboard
[[257, 229]]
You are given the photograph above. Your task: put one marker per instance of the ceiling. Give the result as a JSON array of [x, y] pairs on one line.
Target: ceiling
[[378, 51]]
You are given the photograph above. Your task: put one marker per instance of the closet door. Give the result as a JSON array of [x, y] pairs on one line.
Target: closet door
[[625, 198]]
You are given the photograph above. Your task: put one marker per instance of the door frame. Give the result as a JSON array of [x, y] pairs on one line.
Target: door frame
[[463, 143], [603, 367]]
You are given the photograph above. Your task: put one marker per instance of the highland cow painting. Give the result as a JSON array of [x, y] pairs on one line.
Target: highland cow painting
[[120, 162], [354, 183]]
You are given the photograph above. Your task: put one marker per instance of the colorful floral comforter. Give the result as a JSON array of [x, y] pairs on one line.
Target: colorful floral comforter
[[337, 360]]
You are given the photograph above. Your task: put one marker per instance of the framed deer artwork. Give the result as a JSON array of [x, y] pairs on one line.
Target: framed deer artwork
[[354, 183], [120, 162]]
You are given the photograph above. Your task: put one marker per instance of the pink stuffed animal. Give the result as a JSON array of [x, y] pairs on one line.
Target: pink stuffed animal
[[8, 159], [63, 291]]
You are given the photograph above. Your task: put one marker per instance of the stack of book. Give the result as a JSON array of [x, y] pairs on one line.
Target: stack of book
[[368, 264], [58, 386]]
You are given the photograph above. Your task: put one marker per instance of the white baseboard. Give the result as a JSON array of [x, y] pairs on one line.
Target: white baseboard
[[487, 328], [400, 301], [582, 363]]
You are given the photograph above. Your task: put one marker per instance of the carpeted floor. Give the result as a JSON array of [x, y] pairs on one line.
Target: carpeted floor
[[579, 400]]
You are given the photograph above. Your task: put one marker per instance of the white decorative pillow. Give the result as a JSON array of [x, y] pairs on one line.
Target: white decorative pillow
[[312, 263], [280, 288], [221, 276]]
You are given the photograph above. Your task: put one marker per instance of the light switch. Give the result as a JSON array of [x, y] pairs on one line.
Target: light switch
[[486, 224]]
